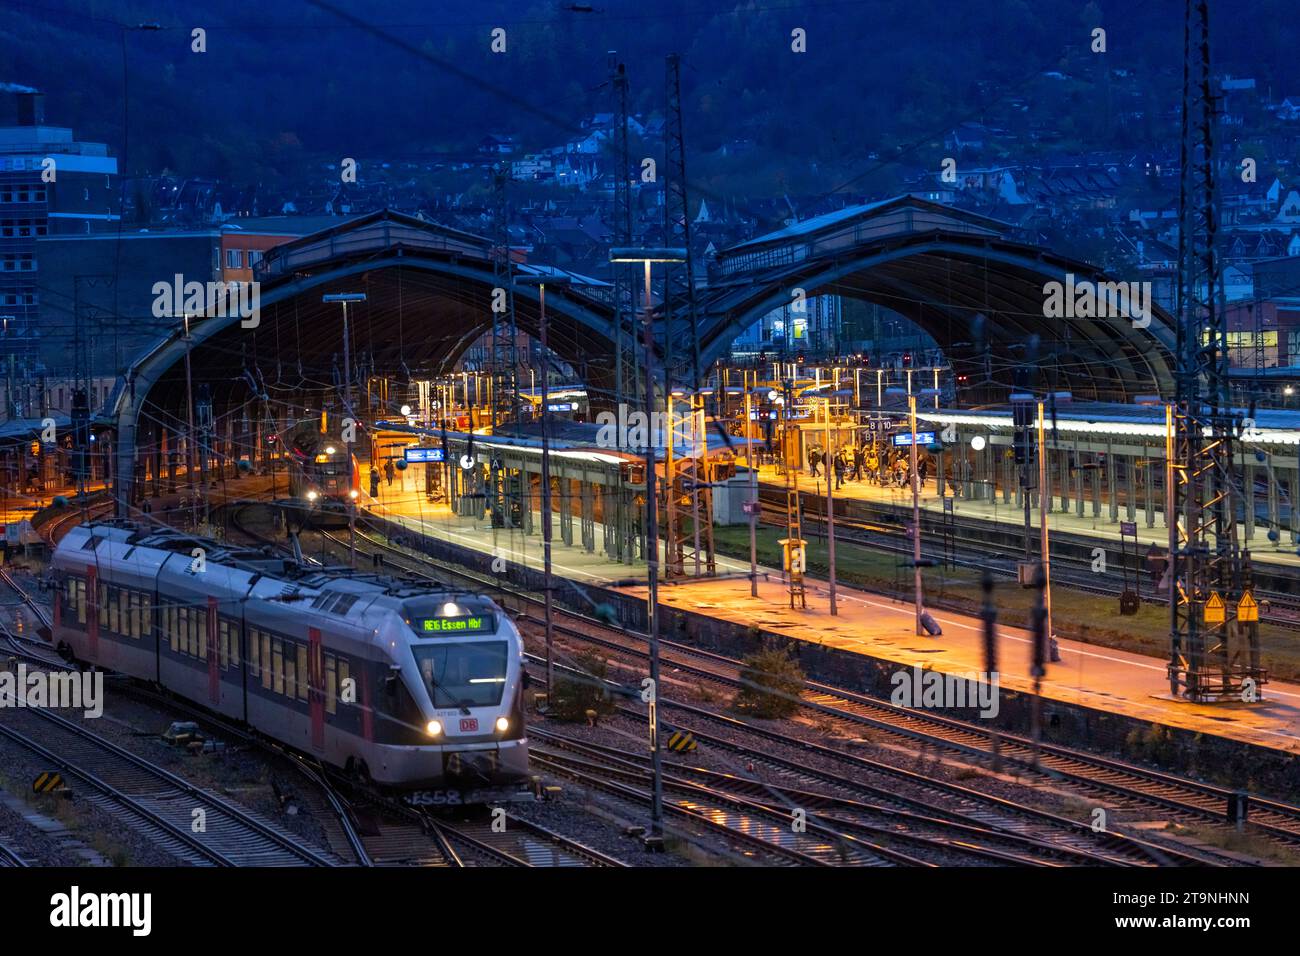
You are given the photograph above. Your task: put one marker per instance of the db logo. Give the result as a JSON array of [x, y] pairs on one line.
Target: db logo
[[468, 724]]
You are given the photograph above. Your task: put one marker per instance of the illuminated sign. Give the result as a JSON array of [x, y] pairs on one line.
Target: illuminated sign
[[416, 454], [465, 624], [905, 439], [562, 407]]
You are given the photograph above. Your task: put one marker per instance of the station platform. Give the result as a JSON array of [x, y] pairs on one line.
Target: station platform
[[1010, 517], [870, 624]]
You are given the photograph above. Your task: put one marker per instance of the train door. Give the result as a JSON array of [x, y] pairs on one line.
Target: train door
[[92, 613], [316, 688], [214, 670]]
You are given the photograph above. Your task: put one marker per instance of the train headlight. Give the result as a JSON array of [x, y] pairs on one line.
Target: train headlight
[[450, 609], [330, 449], [503, 724], [434, 727], [312, 495], [353, 494]]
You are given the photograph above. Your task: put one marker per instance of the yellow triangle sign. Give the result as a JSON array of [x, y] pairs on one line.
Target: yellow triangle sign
[[1214, 609], [1247, 609]]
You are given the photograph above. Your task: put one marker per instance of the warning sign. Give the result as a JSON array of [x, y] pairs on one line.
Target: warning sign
[[47, 782], [1214, 609], [681, 741], [1247, 609]]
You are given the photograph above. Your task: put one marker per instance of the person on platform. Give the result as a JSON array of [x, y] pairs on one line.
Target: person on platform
[[1155, 562], [839, 470], [389, 472], [922, 472], [814, 459], [858, 458]]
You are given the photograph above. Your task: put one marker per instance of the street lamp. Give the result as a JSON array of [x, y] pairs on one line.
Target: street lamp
[[830, 509], [752, 504], [654, 839], [344, 298], [542, 281]]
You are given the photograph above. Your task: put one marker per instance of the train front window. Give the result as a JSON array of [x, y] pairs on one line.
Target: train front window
[[463, 675]]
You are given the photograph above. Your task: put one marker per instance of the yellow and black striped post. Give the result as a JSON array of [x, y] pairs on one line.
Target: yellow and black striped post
[[47, 782]]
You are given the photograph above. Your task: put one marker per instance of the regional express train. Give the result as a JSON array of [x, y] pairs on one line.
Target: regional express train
[[396, 682], [323, 477]]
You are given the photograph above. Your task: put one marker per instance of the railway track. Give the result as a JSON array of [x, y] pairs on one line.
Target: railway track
[[1130, 785], [521, 843], [850, 830], [960, 810], [160, 803], [10, 857]]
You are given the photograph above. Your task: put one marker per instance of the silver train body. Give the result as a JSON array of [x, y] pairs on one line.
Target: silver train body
[[400, 683]]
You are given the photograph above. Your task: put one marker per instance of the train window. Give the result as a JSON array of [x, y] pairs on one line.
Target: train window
[[344, 604], [81, 602], [253, 656], [196, 623], [146, 615], [302, 671], [113, 622], [183, 630], [173, 629], [277, 666], [101, 603], [347, 695], [290, 670], [331, 700], [131, 613], [223, 645], [266, 661]]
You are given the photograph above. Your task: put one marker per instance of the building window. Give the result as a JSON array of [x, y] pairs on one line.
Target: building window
[[254, 257], [234, 259]]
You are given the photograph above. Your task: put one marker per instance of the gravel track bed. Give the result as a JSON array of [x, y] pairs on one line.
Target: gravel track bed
[[842, 735]]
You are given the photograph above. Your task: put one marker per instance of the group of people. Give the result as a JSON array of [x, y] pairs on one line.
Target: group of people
[[864, 463]]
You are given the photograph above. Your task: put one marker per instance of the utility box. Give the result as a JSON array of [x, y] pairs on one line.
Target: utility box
[[1025, 573], [729, 497]]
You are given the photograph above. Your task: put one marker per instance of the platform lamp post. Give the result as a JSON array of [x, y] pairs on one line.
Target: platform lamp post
[[344, 298], [655, 836], [830, 510], [753, 487], [195, 487], [916, 504], [1044, 541], [542, 281], [916, 511]]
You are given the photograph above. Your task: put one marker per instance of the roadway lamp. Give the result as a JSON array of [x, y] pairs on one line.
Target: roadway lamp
[[647, 254]]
